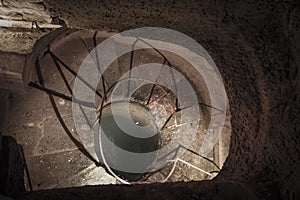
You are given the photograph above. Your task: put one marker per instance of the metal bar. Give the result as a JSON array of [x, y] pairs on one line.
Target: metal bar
[[26, 169], [98, 142], [171, 172], [176, 100], [155, 50], [152, 89], [75, 74], [175, 88], [98, 63], [195, 167], [194, 152], [61, 73], [68, 98], [68, 86], [175, 126], [131, 63], [58, 115], [167, 121], [151, 92], [84, 44]]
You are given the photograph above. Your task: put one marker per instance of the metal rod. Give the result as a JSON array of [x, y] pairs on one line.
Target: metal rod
[[65, 97], [68, 86], [98, 62], [80, 146], [152, 89], [74, 73], [171, 172], [26, 169], [175, 88], [131, 63], [195, 167]]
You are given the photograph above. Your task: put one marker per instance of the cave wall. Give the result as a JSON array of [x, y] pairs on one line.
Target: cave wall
[[22, 24], [256, 46]]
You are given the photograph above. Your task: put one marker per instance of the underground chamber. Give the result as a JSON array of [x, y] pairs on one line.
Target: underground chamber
[[129, 115], [255, 48]]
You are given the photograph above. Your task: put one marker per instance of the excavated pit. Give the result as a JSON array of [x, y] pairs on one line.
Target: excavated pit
[[53, 158], [256, 48]]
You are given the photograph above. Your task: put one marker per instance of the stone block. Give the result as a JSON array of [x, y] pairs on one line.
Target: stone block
[[20, 42]]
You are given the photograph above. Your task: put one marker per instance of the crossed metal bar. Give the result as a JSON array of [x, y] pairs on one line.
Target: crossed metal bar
[[59, 63]]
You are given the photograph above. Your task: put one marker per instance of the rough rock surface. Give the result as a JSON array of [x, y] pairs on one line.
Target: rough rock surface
[[22, 24], [256, 46]]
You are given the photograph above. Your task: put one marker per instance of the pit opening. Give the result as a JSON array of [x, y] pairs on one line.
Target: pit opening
[[55, 162]]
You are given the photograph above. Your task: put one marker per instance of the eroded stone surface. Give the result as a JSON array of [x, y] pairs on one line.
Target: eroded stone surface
[[22, 24], [256, 47]]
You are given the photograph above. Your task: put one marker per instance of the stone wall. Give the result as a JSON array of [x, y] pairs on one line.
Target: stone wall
[[22, 23]]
